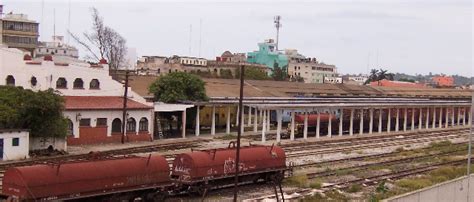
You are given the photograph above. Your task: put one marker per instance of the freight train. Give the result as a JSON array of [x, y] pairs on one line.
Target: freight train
[[148, 178]]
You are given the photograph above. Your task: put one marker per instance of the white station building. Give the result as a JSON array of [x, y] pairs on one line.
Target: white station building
[[93, 100]]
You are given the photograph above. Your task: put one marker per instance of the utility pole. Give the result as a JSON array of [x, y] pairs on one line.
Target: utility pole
[[124, 109], [239, 133]]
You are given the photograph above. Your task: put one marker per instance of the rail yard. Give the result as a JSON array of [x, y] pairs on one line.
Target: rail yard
[[344, 167]]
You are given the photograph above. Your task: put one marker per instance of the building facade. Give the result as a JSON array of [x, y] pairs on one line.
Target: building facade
[[443, 81], [56, 47], [84, 87], [310, 69], [17, 31], [161, 65], [268, 55]]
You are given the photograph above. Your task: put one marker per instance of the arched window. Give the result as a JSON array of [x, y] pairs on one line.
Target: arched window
[[61, 83], [94, 84], [70, 127], [78, 84], [10, 80], [116, 126], [143, 125], [33, 81], [131, 125]]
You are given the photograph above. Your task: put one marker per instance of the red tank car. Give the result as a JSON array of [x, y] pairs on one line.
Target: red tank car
[[85, 179], [313, 118], [214, 168]]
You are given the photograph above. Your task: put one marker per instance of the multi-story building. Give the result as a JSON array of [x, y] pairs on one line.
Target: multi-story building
[[93, 100], [17, 31], [268, 55], [310, 69], [56, 47]]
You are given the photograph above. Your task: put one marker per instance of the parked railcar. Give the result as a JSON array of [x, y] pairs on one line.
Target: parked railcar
[[199, 171], [75, 180]]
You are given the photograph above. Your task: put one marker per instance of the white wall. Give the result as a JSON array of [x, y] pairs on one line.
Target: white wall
[[37, 143], [11, 152], [110, 115]]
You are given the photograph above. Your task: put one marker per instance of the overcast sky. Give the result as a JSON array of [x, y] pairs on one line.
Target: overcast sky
[[412, 36]]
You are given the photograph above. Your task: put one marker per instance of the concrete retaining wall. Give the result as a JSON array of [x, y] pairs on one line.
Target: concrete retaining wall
[[453, 191]]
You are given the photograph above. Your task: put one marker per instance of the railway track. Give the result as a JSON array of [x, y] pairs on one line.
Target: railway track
[[375, 144], [364, 138], [385, 163], [372, 180], [363, 157]]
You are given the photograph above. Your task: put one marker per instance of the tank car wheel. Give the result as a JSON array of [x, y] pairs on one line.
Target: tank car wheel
[[154, 197]]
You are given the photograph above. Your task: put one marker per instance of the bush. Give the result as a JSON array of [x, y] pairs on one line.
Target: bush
[[413, 184], [316, 184], [354, 188], [178, 86], [297, 181]]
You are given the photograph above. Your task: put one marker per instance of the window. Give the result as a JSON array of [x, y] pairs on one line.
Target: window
[[94, 84], [10, 80], [70, 127], [85, 122], [16, 141], [33, 81], [116, 126], [61, 83], [143, 125], [78, 84], [101, 122], [131, 125]]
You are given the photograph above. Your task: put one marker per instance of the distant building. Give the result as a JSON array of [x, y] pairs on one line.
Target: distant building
[[268, 55], [56, 47], [227, 56], [227, 62], [310, 69], [388, 83], [443, 81], [17, 31], [360, 79]]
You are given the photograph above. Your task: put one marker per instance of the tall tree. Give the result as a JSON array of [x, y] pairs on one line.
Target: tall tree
[[178, 86], [103, 42]]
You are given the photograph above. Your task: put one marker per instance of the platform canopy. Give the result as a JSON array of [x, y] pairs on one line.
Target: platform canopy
[[163, 107]]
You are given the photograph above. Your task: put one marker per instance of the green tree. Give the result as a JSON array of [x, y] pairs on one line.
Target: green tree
[[279, 74], [226, 74], [252, 73], [377, 75], [178, 86], [40, 112]]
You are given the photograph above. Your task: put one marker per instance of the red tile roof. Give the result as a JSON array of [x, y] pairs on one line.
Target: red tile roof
[[100, 103]]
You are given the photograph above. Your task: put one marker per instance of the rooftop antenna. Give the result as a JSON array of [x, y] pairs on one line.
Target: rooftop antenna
[[377, 58], [276, 20], [190, 37], [200, 36], [368, 64], [69, 21], [42, 17], [54, 22]]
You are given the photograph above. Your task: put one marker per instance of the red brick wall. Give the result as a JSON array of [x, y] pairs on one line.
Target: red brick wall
[[98, 135]]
